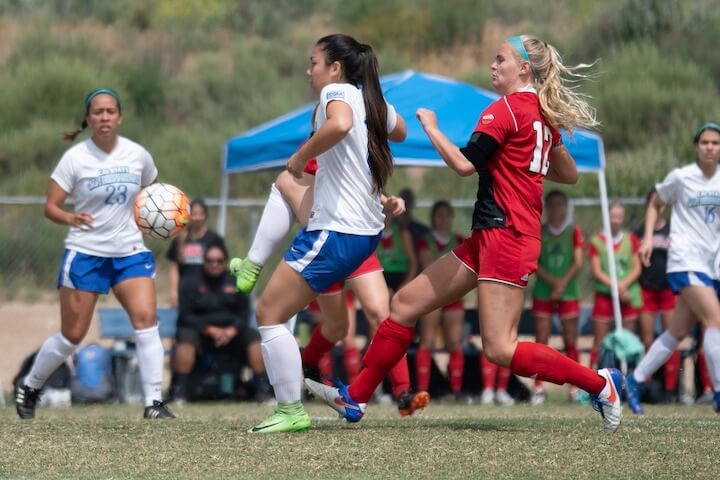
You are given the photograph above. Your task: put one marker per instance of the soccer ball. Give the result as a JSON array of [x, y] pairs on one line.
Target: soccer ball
[[161, 210]]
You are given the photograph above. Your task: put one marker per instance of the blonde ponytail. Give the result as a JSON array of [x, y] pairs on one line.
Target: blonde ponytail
[[562, 106]]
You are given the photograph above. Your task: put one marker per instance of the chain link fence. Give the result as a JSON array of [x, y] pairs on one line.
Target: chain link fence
[[31, 246]]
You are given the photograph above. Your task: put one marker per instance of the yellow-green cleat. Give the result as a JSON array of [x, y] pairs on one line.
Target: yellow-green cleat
[[246, 272], [286, 417]]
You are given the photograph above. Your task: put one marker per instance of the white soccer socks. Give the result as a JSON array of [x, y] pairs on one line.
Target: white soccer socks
[[150, 361], [711, 345], [659, 352], [282, 362], [51, 355], [276, 220]]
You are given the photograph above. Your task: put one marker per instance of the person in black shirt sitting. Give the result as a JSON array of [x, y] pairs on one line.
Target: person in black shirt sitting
[[212, 318]]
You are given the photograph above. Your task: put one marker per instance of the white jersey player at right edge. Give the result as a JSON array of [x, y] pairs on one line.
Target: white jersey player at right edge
[[693, 192]]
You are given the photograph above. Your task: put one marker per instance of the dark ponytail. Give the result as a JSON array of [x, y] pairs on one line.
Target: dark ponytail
[[71, 136], [360, 67]]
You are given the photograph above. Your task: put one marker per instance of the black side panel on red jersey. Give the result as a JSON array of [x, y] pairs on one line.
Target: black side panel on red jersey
[[479, 149], [487, 213]]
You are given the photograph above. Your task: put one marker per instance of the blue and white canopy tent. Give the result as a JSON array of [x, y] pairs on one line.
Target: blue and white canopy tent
[[457, 105]]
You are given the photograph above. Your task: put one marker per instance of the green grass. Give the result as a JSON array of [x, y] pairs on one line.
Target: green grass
[[446, 441]]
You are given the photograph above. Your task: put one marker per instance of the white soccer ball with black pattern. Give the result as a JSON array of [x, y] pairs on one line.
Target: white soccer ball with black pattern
[[162, 210]]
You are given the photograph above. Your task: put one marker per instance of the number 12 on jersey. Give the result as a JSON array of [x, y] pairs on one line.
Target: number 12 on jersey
[[540, 162]]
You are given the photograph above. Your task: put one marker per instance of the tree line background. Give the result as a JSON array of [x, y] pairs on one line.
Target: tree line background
[[193, 73]]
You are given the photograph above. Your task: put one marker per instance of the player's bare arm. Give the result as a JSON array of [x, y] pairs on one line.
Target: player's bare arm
[[652, 213], [449, 152], [53, 209], [562, 167]]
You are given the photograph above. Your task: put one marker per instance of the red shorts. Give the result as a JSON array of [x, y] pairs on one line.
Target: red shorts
[[563, 308], [314, 307], [370, 265], [501, 255], [603, 310], [658, 300], [456, 305]]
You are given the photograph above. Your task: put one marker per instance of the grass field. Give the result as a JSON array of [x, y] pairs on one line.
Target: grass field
[[208, 441]]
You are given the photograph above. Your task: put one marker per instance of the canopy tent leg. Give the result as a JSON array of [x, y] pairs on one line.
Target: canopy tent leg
[[610, 248], [224, 193], [611, 258]]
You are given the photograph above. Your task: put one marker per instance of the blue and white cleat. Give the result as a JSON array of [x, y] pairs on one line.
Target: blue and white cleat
[[338, 399], [634, 392], [608, 401], [716, 397]]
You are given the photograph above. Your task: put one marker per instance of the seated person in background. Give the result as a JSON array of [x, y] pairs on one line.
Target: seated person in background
[[212, 317], [187, 249]]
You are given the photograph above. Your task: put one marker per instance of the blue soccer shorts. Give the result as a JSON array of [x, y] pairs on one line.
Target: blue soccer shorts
[[324, 257], [89, 273], [680, 280]]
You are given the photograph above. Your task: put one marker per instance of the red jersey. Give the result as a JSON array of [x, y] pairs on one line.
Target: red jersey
[[311, 166], [510, 184], [431, 242]]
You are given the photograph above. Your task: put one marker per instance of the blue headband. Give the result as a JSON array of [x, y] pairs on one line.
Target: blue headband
[[517, 43], [98, 91], [706, 126]]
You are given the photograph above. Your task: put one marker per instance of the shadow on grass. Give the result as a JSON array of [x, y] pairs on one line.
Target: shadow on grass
[[465, 425]]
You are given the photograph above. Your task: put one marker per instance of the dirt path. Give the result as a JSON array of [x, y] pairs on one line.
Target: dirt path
[[23, 328]]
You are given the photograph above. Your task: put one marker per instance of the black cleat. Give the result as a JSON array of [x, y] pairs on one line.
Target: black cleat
[[409, 403], [177, 395], [313, 373], [158, 410], [26, 399]]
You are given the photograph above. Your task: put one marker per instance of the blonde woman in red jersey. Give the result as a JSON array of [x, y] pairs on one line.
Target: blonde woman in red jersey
[[515, 145]]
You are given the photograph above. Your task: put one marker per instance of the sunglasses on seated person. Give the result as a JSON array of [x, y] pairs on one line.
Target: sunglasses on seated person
[[215, 260]]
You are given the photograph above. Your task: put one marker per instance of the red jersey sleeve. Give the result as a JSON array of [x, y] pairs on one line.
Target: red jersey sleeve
[[421, 244], [578, 238], [634, 242], [592, 251], [497, 121]]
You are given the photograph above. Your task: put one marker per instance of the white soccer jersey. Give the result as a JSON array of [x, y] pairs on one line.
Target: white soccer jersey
[[343, 198], [105, 185], [695, 222]]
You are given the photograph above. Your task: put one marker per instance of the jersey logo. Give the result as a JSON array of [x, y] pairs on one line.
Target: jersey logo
[[487, 119], [336, 94]]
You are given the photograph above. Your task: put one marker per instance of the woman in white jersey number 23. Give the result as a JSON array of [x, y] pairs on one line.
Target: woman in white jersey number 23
[[103, 250]]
